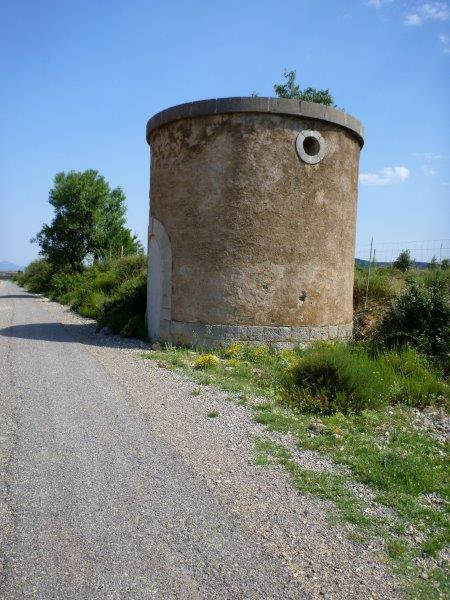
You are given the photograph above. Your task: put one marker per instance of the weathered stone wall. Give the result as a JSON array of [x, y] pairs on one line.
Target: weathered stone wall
[[260, 240]]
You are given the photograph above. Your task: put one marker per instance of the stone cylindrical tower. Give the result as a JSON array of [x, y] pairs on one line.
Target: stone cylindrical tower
[[252, 221]]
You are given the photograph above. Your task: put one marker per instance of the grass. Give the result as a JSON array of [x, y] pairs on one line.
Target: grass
[[420, 317], [329, 378], [326, 486], [324, 378], [387, 283], [383, 449], [235, 375], [353, 404], [213, 414], [405, 553], [384, 285], [380, 443]]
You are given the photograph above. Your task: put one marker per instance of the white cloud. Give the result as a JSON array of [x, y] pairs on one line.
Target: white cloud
[[428, 156], [386, 176], [430, 172], [444, 39], [430, 11], [446, 183], [412, 19], [435, 11], [378, 3]]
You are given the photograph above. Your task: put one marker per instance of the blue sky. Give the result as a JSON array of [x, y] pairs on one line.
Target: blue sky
[[81, 78]]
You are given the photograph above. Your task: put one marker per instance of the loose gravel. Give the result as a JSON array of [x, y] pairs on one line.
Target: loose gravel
[[120, 486]]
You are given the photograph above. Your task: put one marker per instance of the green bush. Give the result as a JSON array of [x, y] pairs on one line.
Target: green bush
[[435, 277], [419, 317], [62, 283], [113, 292], [80, 292], [403, 262], [91, 305], [433, 264], [125, 311], [291, 89], [127, 267], [36, 278], [105, 280], [330, 378]]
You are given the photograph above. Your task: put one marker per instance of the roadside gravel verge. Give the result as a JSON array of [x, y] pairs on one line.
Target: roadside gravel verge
[[291, 527]]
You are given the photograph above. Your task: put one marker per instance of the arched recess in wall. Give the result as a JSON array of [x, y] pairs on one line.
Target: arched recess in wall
[[159, 286]]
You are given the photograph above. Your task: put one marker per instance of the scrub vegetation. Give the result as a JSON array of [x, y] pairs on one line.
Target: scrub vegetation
[[379, 418], [112, 291], [376, 408], [90, 259], [291, 89]]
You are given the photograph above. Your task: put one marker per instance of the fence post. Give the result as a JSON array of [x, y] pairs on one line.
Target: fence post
[[368, 273]]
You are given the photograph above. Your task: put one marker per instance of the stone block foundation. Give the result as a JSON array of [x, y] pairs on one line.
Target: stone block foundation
[[216, 336]]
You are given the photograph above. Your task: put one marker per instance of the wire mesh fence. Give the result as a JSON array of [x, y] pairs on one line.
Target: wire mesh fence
[[422, 251]]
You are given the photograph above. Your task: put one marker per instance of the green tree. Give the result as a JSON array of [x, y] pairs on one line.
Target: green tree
[[445, 264], [89, 218], [433, 264], [118, 239], [291, 89], [403, 262]]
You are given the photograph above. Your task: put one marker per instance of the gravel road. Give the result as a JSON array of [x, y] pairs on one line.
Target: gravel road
[[115, 484]]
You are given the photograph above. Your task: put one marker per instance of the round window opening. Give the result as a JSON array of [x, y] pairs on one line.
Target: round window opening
[[310, 146]]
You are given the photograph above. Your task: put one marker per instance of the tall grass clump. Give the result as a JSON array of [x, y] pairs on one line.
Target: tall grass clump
[[381, 285], [330, 378], [415, 381], [420, 316], [384, 285]]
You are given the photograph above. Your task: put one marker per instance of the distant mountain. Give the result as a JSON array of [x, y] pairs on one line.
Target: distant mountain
[[360, 262], [5, 265]]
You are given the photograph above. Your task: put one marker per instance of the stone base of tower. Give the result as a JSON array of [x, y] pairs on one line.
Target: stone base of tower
[[213, 336]]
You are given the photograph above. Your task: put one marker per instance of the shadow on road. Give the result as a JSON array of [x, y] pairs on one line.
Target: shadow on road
[[57, 332], [19, 296]]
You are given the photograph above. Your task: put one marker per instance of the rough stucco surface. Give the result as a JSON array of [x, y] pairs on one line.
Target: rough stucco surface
[[251, 226]]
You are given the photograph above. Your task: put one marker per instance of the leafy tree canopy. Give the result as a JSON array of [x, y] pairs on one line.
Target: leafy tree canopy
[[403, 262], [89, 220], [291, 89]]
